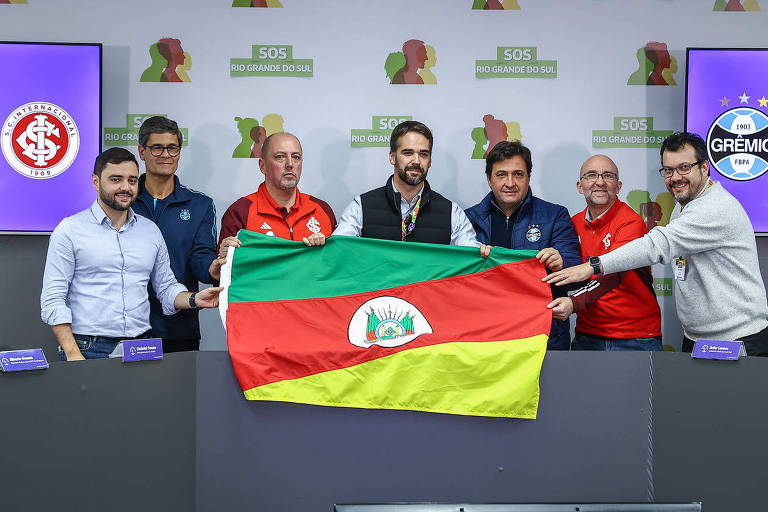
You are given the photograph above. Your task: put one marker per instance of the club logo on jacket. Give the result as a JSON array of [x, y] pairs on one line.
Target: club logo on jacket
[[184, 214], [533, 234], [313, 224], [607, 240], [388, 322]]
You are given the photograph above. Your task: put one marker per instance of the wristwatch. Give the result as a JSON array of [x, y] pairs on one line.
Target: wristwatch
[[192, 303], [595, 262]]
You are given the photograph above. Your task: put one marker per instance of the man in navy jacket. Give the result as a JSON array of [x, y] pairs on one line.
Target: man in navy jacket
[[510, 216], [187, 220]]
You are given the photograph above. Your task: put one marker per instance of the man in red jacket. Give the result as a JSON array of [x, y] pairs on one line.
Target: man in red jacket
[[618, 311], [277, 208]]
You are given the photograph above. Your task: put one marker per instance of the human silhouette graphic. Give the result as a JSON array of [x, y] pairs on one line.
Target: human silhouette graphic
[[171, 49], [655, 66], [246, 127], [513, 131], [658, 54], [273, 123], [155, 70], [495, 131], [426, 73], [258, 134], [478, 135], [394, 63], [415, 56]]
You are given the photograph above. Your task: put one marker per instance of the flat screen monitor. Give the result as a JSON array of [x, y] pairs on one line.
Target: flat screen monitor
[[50, 107], [726, 102]]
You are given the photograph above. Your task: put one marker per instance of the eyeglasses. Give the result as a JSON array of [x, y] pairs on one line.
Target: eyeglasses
[[592, 176], [682, 170], [157, 149]]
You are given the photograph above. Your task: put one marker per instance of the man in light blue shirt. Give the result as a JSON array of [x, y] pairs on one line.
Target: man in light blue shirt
[[98, 266]]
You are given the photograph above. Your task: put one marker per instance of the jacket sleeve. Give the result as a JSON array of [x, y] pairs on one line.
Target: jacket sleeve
[[565, 240], [235, 218], [204, 245]]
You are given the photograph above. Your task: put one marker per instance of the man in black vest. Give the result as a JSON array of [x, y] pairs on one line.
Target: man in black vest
[[406, 208]]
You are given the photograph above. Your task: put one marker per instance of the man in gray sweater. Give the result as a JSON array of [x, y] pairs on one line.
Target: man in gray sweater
[[719, 292]]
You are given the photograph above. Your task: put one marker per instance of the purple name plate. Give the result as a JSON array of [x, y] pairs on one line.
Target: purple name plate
[[718, 349], [18, 360], [142, 350]]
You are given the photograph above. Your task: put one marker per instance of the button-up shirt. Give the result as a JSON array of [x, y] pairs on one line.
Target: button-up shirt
[[96, 275]]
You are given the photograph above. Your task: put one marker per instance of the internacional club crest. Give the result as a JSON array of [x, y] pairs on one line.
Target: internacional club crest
[[40, 140], [388, 322], [737, 143]]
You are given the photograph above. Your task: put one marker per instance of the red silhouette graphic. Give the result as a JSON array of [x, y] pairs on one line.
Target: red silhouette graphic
[[258, 134], [658, 54], [652, 214], [415, 56], [495, 131], [172, 51]]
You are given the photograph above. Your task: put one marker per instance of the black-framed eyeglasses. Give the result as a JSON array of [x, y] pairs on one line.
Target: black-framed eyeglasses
[[157, 149], [591, 176], [682, 169]]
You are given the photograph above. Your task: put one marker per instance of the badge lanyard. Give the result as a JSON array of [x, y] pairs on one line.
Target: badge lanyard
[[408, 228]]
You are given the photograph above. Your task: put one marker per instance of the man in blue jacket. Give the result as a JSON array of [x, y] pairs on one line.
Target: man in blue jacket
[[510, 216], [187, 220]]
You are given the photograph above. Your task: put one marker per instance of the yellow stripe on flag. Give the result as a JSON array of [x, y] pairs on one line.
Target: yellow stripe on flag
[[496, 378]]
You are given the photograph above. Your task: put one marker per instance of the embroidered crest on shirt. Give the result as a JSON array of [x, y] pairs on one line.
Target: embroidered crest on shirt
[[184, 214], [607, 240], [533, 234], [313, 224]]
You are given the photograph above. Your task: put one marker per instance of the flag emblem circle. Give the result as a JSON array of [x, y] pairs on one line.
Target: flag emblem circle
[[388, 322]]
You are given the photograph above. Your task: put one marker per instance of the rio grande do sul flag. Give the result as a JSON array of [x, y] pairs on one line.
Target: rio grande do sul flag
[[386, 325]]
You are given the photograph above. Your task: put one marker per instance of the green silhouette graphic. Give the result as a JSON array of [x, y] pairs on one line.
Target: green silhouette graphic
[[654, 213], [154, 72], [478, 135], [394, 63]]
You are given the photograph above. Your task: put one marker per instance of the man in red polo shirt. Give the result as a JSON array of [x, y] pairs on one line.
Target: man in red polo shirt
[[277, 208], [618, 311]]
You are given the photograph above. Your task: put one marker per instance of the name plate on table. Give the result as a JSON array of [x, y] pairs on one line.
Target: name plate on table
[[19, 360], [142, 350], [718, 349]]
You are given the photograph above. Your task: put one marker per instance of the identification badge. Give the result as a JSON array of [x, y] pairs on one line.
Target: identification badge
[[680, 269]]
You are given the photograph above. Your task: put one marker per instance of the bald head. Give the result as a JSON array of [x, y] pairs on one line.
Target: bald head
[[275, 137], [599, 182]]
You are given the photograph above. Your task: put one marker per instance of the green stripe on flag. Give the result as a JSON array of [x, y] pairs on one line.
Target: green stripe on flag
[[278, 269]]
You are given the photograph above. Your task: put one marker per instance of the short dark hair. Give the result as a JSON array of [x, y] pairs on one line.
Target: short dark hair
[[268, 141], [676, 141], [405, 127], [505, 150], [159, 124], [113, 156]]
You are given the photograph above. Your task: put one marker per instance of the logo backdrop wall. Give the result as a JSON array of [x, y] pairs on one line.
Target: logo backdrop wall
[[557, 74]]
